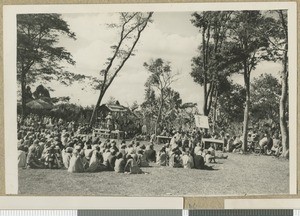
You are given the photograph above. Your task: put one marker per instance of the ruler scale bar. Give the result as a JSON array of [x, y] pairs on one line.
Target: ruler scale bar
[[38, 212], [296, 213], [151, 212], [130, 212], [243, 212]]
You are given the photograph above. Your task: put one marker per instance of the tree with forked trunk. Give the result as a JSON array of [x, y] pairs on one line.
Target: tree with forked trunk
[[131, 27], [276, 32]]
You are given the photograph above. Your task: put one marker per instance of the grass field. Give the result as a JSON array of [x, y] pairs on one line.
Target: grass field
[[239, 175]]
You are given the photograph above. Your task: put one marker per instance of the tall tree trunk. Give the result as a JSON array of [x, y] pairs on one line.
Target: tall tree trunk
[[92, 120], [215, 110], [204, 70], [23, 90], [205, 111], [208, 98], [284, 91], [108, 81], [247, 107], [159, 114], [283, 107], [246, 120]]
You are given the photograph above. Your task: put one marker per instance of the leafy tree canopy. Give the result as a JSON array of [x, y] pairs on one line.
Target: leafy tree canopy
[[38, 55], [265, 93]]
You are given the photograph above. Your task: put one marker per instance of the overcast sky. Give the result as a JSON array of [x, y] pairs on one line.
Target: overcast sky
[[171, 37]]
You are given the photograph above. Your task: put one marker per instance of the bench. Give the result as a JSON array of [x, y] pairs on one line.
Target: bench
[[117, 134], [163, 139], [102, 133], [219, 144]]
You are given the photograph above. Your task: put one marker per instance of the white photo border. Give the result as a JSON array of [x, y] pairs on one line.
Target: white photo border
[[10, 56]]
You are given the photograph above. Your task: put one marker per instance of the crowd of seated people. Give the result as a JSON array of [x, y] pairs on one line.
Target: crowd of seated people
[[265, 143], [57, 147], [47, 143], [78, 155]]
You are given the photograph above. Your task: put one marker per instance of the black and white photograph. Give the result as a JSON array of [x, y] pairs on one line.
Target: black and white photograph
[[150, 102]]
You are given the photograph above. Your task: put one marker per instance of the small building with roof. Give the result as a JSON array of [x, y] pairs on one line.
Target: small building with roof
[[117, 117]]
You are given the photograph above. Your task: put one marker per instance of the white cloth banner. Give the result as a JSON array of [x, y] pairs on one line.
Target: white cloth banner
[[201, 121]]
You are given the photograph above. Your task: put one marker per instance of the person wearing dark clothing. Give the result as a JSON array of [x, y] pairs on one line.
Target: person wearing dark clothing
[[111, 161], [198, 162], [150, 153]]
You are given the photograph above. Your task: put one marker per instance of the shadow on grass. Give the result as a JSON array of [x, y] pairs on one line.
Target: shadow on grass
[[217, 163], [149, 166], [213, 169]]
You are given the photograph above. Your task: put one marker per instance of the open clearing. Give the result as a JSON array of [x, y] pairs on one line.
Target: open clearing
[[237, 175]]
